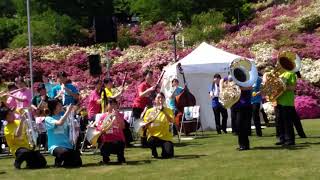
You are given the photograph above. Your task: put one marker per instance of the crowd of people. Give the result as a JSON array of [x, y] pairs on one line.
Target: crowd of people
[[55, 102]]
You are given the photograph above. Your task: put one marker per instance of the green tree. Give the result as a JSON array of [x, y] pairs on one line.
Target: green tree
[[162, 10], [205, 27]]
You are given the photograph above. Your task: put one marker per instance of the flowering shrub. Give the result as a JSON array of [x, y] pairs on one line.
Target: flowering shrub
[[307, 107]]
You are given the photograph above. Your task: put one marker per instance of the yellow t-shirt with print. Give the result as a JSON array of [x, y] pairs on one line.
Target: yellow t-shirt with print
[[160, 127], [14, 142], [103, 100]]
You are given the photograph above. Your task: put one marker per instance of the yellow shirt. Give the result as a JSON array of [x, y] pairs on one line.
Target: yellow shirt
[[160, 127], [13, 142], [108, 94]]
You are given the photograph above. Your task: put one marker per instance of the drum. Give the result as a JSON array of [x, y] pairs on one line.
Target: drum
[[93, 135]]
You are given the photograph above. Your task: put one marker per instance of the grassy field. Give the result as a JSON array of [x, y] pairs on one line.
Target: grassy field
[[210, 157]]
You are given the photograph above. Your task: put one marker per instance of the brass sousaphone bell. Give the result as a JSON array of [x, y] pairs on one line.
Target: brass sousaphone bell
[[273, 86], [244, 73]]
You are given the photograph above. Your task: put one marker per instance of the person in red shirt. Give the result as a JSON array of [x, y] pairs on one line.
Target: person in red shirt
[[143, 98], [94, 101], [113, 140]]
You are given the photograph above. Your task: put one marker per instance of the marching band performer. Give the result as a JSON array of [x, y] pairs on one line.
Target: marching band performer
[[94, 101], [113, 140], [23, 95], [16, 137], [65, 90], [157, 121], [58, 136], [286, 111], [256, 100], [143, 98], [216, 105], [107, 93]]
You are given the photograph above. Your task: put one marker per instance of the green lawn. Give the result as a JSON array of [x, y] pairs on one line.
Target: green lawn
[[210, 157]]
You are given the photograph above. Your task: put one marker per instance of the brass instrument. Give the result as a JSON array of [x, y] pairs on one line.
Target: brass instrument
[[244, 74], [31, 128], [140, 124], [273, 86], [92, 134]]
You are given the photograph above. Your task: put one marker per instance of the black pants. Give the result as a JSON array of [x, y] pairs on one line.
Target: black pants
[[297, 123], [67, 157], [217, 111], [127, 133], [243, 118], [33, 158], [264, 115], [256, 118], [285, 116], [116, 147], [43, 140], [167, 147], [233, 120]]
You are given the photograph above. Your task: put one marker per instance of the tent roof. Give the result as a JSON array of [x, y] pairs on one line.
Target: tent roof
[[205, 59]]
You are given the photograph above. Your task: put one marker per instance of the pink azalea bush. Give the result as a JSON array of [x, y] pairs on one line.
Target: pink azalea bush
[[307, 107]]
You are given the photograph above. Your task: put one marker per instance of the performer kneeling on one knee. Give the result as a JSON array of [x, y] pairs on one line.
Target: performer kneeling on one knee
[[17, 140], [157, 121], [113, 140], [58, 136]]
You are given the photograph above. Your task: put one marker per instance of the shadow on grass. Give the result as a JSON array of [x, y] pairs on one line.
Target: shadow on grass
[[2, 172], [189, 156], [296, 147], [310, 143], [140, 162], [183, 144]]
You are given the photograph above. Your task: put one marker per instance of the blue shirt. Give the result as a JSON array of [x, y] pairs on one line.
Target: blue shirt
[[256, 88], [215, 101], [171, 103], [49, 87], [68, 98], [58, 136]]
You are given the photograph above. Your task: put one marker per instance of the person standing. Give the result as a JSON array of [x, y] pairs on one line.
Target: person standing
[[214, 91], [143, 97], [286, 111], [107, 93], [256, 100], [23, 97], [94, 101], [243, 113], [65, 91], [174, 92]]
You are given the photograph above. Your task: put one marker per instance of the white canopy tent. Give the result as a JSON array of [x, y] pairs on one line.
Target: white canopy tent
[[199, 67]]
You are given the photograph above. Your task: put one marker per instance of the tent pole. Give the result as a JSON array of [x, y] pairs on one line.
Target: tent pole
[[30, 47]]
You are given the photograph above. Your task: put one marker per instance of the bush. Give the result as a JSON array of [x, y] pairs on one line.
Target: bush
[[205, 27], [9, 28], [48, 28], [310, 23]]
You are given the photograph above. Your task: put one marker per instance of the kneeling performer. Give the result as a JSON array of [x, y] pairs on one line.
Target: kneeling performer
[[157, 121], [16, 136], [58, 130], [112, 138]]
